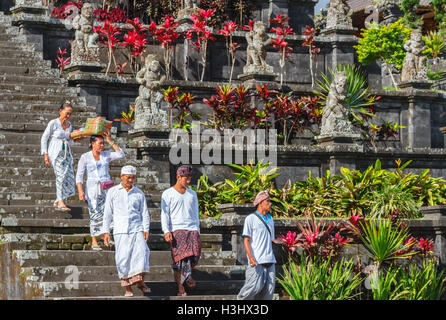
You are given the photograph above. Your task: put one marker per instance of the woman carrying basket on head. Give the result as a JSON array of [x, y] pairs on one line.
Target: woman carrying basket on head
[[58, 154], [95, 162]]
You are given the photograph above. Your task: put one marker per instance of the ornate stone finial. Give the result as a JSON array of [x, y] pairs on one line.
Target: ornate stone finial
[[414, 65], [148, 104], [335, 113], [339, 15], [84, 48], [255, 52]]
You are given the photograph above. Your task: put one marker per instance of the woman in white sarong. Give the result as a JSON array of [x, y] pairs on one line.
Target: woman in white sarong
[[58, 154], [95, 162]]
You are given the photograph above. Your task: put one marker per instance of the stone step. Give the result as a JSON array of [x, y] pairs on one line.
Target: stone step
[[41, 117], [9, 37], [190, 297], [114, 288], [48, 212], [32, 149], [55, 258], [31, 70], [42, 107], [14, 52], [33, 98], [109, 273], [51, 241], [23, 61], [23, 79], [26, 88]]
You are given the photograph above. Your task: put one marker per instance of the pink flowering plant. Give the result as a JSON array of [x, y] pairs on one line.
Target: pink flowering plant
[[313, 50], [61, 60], [135, 41]]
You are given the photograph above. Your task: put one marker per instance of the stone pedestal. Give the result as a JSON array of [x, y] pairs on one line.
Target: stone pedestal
[[338, 139], [184, 15], [341, 41], [257, 77], [84, 67]]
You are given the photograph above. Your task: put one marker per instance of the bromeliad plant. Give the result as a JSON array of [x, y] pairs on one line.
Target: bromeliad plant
[[61, 60], [201, 33], [127, 118]]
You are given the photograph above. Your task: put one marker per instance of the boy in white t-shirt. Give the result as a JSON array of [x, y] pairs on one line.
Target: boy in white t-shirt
[[258, 233]]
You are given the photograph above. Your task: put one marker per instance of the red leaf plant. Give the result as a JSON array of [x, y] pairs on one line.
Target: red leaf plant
[[231, 108], [166, 34], [113, 15], [309, 41], [282, 29], [108, 36], [200, 34], [181, 103], [228, 29], [135, 41], [61, 60], [66, 10]]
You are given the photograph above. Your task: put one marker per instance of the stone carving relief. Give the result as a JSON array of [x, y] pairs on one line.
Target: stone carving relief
[[335, 113], [84, 47], [148, 104], [414, 65], [339, 15], [255, 52]]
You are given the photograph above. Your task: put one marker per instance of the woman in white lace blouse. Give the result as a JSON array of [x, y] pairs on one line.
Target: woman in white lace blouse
[[95, 163], [58, 154]]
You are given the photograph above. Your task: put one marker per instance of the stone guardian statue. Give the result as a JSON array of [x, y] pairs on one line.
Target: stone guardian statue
[[339, 15], [84, 48], [414, 65], [148, 104], [335, 113], [255, 52]]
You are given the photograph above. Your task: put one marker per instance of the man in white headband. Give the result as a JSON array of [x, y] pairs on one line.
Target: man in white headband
[[126, 206]]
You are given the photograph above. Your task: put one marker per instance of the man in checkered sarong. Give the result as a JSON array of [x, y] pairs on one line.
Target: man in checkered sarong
[[181, 226]]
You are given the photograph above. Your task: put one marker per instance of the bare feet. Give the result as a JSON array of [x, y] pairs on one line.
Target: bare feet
[[128, 291]]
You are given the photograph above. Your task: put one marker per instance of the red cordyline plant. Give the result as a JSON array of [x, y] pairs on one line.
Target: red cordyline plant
[[313, 50], [113, 15], [293, 115], [282, 29], [201, 33], [231, 108], [61, 60], [135, 41], [108, 36], [167, 35], [228, 29], [181, 103], [66, 10]]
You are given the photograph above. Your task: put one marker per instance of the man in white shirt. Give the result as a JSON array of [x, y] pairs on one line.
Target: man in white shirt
[[126, 206], [181, 226], [258, 234]]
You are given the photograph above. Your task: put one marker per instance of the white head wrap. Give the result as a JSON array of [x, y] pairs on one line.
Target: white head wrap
[[128, 170]]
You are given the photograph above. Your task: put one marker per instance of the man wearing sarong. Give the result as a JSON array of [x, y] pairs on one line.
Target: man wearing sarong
[[258, 235], [181, 227], [126, 206]]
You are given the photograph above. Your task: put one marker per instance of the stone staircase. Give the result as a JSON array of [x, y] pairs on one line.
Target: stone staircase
[[45, 254]]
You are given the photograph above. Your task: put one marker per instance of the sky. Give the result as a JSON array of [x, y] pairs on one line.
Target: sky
[[320, 4]]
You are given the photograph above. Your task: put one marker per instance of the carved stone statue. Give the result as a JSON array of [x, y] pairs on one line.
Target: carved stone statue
[[414, 64], [187, 4], [335, 113], [339, 15], [255, 52], [84, 47], [188, 7], [148, 104]]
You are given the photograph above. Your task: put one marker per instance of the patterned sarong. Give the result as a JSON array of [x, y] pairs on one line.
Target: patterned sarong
[[63, 170], [186, 251], [96, 211]]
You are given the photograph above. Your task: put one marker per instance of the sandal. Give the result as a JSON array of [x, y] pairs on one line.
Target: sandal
[[96, 248], [182, 293], [63, 208], [128, 294], [144, 289], [190, 282]]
